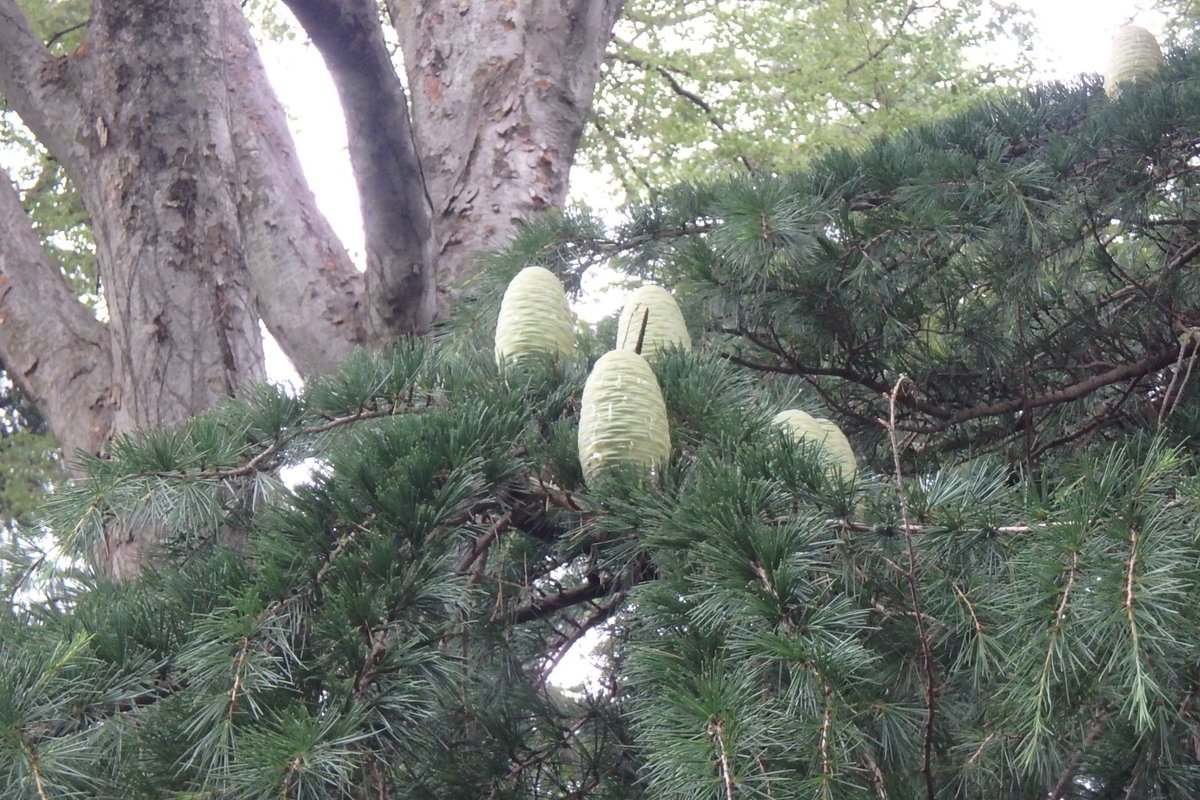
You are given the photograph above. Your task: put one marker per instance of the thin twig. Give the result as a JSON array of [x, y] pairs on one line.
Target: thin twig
[[1068, 775], [498, 526], [1167, 408], [19, 584], [679, 89], [67, 31], [915, 595], [826, 725], [238, 661], [716, 729], [541, 607], [1056, 628], [258, 461], [602, 613], [970, 609], [979, 750], [32, 758], [862, 527]]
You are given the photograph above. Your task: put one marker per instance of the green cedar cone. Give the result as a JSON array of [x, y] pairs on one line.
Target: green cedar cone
[[623, 419], [828, 436], [534, 319], [656, 308], [1135, 59]]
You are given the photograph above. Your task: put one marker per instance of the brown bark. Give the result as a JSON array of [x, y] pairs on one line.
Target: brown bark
[[500, 95]]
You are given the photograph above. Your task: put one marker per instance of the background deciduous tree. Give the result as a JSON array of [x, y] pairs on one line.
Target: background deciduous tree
[[694, 88]]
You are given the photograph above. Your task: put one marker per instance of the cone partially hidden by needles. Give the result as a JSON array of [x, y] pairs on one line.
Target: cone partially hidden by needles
[[835, 447], [534, 319], [1134, 60], [622, 418], [652, 317]]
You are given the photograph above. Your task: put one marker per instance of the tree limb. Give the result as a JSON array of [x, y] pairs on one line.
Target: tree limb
[[310, 294], [397, 214], [51, 345], [40, 87], [597, 586]]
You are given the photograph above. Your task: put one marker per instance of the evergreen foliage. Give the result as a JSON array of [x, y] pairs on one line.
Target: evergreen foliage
[[1026, 264], [1002, 604]]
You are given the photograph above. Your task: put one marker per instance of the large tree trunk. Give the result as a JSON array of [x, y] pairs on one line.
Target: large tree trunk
[[204, 225], [162, 192], [500, 96]]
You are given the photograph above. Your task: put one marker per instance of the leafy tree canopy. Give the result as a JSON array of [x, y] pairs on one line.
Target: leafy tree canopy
[[998, 309], [693, 87]]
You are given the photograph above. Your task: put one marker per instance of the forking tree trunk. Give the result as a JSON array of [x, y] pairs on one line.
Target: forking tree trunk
[[501, 93], [204, 225]]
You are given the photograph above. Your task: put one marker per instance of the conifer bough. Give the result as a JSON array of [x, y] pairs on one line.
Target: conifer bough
[[833, 444], [534, 319], [652, 318], [622, 419], [1135, 59]]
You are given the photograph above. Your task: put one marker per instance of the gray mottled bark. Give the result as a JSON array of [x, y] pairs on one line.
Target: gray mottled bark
[[162, 192], [52, 347], [310, 294], [395, 207], [162, 189], [500, 95]]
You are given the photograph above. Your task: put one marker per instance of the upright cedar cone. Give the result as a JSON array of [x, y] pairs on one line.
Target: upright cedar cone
[[534, 321], [1135, 59], [835, 447], [652, 317], [622, 419]]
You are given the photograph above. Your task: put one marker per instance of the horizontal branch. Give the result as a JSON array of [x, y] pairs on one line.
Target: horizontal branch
[[262, 460], [948, 418], [1152, 362], [597, 586]]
